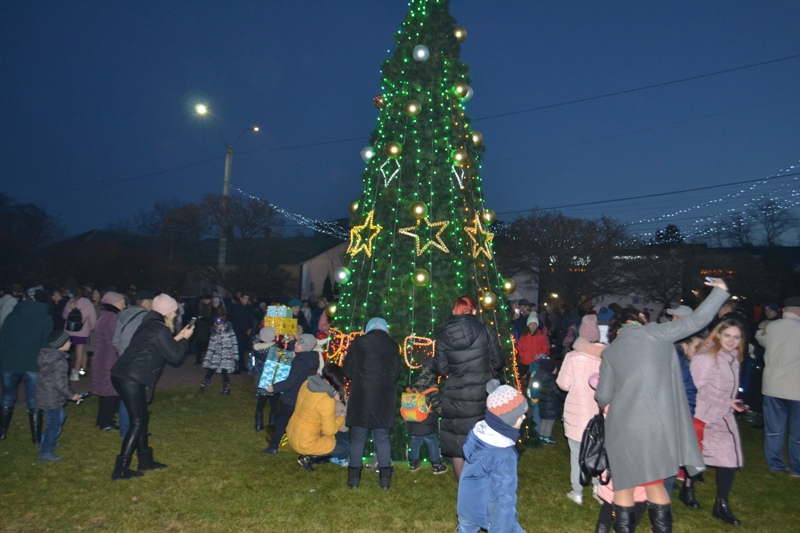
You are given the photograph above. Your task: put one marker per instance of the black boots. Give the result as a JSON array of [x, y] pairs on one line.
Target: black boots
[[722, 511], [273, 418], [687, 496], [203, 385], [259, 421], [624, 520], [385, 476], [146, 460], [5, 420], [122, 468], [354, 478], [226, 389], [35, 417], [660, 517]]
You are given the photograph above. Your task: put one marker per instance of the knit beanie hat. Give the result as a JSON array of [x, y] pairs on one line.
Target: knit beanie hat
[[57, 339], [532, 319], [164, 304], [505, 402], [112, 298], [143, 295], [306, 341], [267, 334], [589, 330], [377, 323]]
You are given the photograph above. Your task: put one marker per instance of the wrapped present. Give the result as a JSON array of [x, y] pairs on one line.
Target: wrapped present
[[279, 311], [283, 326], [276, 367]]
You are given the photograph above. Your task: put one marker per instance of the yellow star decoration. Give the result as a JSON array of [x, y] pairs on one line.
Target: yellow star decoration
[[435, 241], [473, 232], [357, 242]]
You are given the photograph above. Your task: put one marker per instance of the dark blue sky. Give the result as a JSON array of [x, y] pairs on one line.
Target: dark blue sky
[[96, 92]]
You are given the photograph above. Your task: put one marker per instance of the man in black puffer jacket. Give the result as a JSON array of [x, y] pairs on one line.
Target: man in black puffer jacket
[[468, 353]]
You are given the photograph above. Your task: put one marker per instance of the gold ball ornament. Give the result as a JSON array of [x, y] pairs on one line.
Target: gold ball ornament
[[477, 138], [488, 300], [353, 207], [489, 216], [412, 108], [459, 157], [460, 89], [418, 210], [509, 285], [421, 277], [394, 149], [460, 33], [330, 309], [378, 101]]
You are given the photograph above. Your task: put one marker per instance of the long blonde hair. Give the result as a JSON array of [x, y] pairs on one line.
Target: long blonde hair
[[713, 345]]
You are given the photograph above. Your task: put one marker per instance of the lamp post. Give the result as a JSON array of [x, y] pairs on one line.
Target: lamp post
[[226, 189]]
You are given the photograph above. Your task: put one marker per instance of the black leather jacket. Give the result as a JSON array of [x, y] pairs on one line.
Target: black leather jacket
[[151, 347]]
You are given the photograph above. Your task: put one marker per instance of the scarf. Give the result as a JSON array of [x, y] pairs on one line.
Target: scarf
[[497, 424]]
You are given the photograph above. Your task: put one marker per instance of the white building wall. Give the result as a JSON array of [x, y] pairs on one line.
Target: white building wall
[[315, 270]]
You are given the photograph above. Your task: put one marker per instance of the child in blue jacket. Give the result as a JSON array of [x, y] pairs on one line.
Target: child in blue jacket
[[487, 491]]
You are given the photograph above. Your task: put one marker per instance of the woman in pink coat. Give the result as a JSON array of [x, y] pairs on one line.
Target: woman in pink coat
[[715, 371], [79, 333], [580, 405]]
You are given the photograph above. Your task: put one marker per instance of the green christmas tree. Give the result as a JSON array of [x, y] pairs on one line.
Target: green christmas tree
[[421, 233]]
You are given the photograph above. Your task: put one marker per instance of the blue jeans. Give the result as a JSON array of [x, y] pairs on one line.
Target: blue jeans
[[55, 421], [342, 448], [380, 438], [11, 384], [777, 411], [124, 420], [433, 447], [535, 416]]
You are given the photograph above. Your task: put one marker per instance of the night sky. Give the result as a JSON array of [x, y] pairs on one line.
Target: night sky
[[93, 93]]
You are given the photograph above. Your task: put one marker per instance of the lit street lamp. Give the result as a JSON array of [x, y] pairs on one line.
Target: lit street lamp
[[226, 187]]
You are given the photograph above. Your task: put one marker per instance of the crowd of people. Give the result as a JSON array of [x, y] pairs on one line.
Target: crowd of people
[[673, 389]]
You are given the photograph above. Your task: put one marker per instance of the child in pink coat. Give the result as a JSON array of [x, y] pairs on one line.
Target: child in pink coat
[[580, 405]]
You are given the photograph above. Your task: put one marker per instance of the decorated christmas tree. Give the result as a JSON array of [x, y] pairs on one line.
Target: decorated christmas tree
[[421, 234]]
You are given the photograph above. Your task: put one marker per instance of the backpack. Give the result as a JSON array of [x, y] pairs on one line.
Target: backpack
[[74, 320], [414, 405], [592, 458]]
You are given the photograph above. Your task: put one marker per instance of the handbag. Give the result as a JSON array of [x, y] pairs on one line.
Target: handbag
[[592, 457]]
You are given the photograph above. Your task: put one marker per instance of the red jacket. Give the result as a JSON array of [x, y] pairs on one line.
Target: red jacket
[[529, 346]]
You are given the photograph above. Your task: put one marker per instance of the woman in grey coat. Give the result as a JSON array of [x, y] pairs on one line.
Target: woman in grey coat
[[649, 432]]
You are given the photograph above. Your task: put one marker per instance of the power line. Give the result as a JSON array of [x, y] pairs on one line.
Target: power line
[[643, 88], [656, 195], [124, 180], [352, 139]]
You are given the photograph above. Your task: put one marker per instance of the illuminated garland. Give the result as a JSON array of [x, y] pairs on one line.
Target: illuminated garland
[[514, 355], [388, 179]]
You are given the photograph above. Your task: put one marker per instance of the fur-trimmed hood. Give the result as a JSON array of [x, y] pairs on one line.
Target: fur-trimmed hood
[[592, 349]]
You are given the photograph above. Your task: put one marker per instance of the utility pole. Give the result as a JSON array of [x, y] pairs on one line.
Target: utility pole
[[223, 226]]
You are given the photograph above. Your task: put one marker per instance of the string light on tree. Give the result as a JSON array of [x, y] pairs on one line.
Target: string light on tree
[[435, 240], [358, 242], [481, 239]]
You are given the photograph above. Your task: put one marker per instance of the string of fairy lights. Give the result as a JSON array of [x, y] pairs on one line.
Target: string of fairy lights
[[733, 208]]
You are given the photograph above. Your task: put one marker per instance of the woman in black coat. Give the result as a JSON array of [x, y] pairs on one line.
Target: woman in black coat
[[469, 353], [372, 365], [135, 374]]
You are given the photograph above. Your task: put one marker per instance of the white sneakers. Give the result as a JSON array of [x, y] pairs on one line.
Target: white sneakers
[[574, 496], [74, 377]]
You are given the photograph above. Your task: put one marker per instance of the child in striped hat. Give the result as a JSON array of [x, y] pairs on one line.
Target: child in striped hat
[[487, 492]]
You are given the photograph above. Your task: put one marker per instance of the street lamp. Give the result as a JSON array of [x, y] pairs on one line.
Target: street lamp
[[202, 110], [554, 295]]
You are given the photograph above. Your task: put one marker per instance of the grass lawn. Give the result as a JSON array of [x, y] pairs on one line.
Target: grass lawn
[[218, 481]]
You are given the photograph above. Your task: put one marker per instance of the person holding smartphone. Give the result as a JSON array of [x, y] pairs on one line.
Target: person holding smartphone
[[135, 374], [715, 372]]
